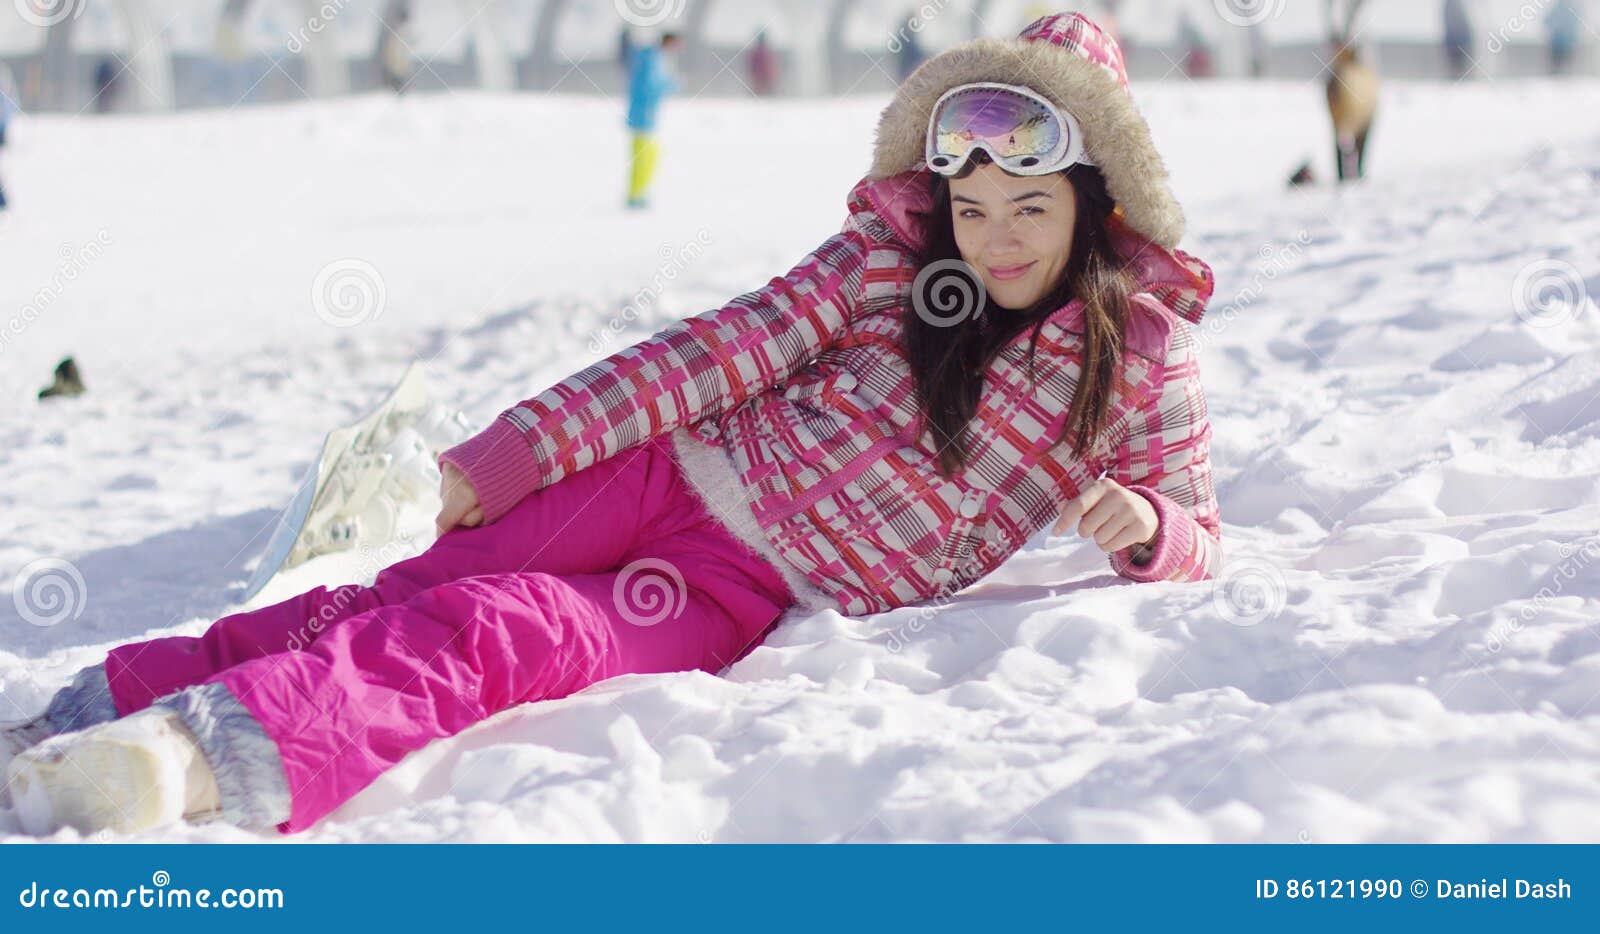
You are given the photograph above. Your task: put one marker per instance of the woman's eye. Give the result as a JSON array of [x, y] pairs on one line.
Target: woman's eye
[[1031, 210], [969, 212]]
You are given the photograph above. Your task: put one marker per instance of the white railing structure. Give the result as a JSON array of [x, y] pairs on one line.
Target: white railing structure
[[219, 52]]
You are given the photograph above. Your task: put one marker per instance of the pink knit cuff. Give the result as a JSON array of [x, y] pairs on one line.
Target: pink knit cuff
[[1174, 539], [500, 465]]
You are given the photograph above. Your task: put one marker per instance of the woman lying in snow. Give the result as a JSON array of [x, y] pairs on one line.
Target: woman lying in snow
[[999, 338]]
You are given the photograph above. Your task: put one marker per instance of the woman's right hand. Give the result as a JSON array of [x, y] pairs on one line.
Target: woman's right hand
[[459, 501]]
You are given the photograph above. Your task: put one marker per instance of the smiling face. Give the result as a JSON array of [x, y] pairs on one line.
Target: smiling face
[[1015, 230]]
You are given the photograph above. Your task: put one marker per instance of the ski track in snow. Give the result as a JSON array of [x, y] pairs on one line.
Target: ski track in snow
[[1403, 646]]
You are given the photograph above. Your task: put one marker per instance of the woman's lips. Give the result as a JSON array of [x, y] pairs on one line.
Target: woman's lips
[[1010, 272]]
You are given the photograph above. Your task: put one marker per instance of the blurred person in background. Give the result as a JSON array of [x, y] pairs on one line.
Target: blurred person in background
[[1564, 25], [1458, 38], [1258, 50], [763, 66], [1197, 62], [650, 79], [1352, 90], [232, 62], [394, 53], [107, 81], [9, 97]]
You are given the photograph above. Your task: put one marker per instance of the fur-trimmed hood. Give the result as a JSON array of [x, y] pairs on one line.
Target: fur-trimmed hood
[[1068, 59]]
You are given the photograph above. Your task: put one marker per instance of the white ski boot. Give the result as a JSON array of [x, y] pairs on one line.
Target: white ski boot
[[141, 771]]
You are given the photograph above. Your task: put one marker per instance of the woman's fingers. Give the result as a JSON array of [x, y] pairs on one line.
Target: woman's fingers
[[474, 517], [450, 515], [1127, 534], [1074, 510], [1103, 519], [1109, 514]]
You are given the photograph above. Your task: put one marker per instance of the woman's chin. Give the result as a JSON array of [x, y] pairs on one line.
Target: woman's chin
[[1011, 299]]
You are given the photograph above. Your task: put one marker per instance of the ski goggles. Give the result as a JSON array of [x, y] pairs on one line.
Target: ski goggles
[[1021, 131]]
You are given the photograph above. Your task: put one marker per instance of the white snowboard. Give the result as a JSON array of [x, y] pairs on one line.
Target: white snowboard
[[365, 495]]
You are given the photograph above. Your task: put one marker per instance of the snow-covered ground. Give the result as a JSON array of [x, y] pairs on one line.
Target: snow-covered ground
[[1402, 378]]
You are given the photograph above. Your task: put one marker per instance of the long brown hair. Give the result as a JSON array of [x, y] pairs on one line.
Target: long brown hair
[[948, 359]]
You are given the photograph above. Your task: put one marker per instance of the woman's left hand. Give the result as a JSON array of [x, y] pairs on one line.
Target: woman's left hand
[[1110, 513]]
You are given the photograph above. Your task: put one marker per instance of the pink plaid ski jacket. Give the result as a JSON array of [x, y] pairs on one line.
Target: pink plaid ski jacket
[[804, 390]]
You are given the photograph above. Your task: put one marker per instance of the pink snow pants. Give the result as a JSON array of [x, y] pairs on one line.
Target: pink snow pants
[[615, 569]]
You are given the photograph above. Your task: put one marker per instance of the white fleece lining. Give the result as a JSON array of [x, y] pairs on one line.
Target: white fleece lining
[[710, 474]]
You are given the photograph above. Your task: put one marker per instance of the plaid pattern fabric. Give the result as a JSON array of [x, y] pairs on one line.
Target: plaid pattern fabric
[[803, 383], [1077, 34]]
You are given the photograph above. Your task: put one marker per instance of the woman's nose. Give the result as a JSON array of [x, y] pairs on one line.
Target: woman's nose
[[1003, 238]]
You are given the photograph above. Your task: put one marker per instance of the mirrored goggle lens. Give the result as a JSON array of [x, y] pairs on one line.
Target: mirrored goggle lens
[[1013, 126]]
